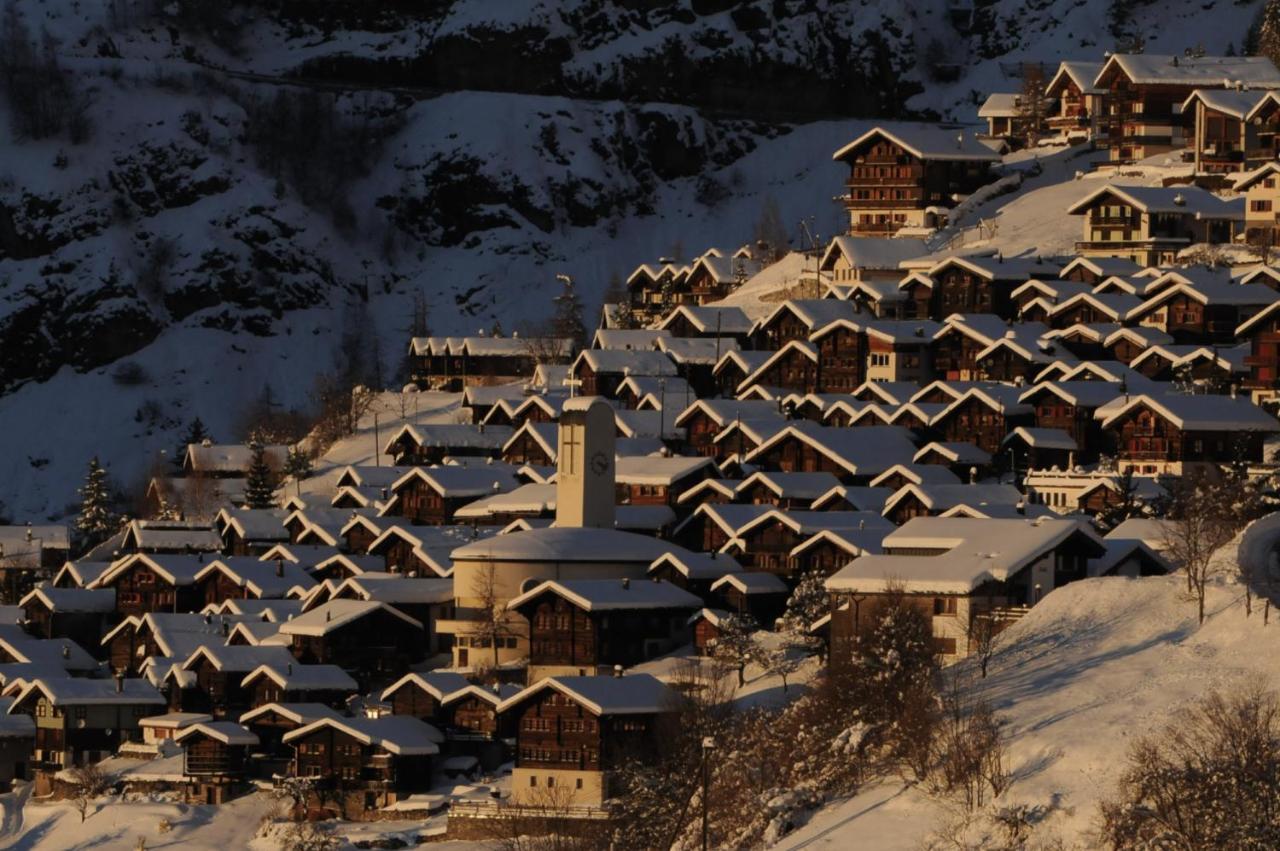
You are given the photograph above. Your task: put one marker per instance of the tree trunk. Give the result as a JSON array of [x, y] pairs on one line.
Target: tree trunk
[[742, 674], [1248, 598], [1201, 595], [1266, 611]]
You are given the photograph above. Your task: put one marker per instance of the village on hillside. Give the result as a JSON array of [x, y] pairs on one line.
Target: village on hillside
[[756, 539]]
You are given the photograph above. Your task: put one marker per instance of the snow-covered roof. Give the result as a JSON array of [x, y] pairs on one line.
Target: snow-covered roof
[[297, 677], [1001, 105], [395, 588], [866, 252], [602, 595], [238, 657], [526, 499], [1105, 267], [1237, 103], [648, 470], [955, 452], [567, 544], [1082, 74], [459, 482], [633, 694], [1085, 394], [861, 451], [752, 583], [707, 319], [402, 735], [940, 497], [1166, 69], [700, 351], [439, 684], [177, 569], [725, 411], [338, 613], [227, 732], [260, 578], [927, 141], [977, 550], [1181, 200], [72, 599], [298, 713], [81, 691], [628, 362], [697, 565], [1198, 413], [1042, 438]]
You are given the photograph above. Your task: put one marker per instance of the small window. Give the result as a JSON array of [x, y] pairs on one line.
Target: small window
[[533, 780], [551, 782], [579, 783]]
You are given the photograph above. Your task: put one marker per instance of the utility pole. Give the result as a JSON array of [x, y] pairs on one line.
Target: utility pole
[[377, 444], [708, 745]]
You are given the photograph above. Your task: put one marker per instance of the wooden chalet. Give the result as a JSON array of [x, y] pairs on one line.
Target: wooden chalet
[[290, 682], [215, 759], [906, 175], [762, 597], [270, 723], [573, 733], [1151, 224], [983, 416], [422, 695], [1081, 106], [154, 583], [706, 418], [1070, 406], [1144, 92], [1205, 312], [1174, 434], [362, 765], [587, 627], [948, 569], [80, 614], [428, 445], [210, 680], [80, 720], [430, 496], [371, 641], [599, 372], [1223, 137]]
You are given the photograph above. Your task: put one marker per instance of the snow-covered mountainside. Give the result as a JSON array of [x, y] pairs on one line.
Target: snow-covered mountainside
[[219, 190]]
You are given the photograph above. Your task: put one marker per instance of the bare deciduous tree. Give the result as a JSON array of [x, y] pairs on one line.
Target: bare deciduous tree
[[88, 784], [1197, 526], [492, 625]]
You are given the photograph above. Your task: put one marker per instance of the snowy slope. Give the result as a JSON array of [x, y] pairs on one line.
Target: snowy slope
[[1096, 664]]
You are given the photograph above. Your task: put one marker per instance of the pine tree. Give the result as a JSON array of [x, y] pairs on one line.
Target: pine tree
[[567, 323], [260, 486], [97, 520], [197, 434], [1269, 31], [807, 603]]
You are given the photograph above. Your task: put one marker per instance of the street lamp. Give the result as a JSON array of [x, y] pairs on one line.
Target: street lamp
[[708, 745]]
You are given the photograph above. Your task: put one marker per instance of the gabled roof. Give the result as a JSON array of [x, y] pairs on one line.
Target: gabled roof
[[1115, 305], [707, 319], [177, 569], [725, 411], [402, 735], [1225, 71], [1244, 182], [1238, 103], [298, 713], [459, 482], [956, 453], [238, 657], [927, 141], [940, 497], [976, 551], [872, 252], [296, 677], [81, 691], [1241, 295], [338, 613], [614, 361], [1105, 267], [1199, 413], [1081, 73], [227, 732], [862, 451], [807, 486], [1189, 200], [633, 694], [438, 684], [752, 583], [260, 578], [696, 565], [72, 599], [1041, 438], [1084, 394], [603, 595], [927, 474]]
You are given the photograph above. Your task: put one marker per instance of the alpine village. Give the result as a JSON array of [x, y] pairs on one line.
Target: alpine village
[[893, 538]]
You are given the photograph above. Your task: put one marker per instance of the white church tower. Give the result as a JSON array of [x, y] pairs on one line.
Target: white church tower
[[585, 465]]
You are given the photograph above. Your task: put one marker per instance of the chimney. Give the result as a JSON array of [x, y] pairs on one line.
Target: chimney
[[66, 651], [1021, 507], [626, 584], [617, 670], [279, 566], [328, 616], [288, 669], [119, 682], [226, 628]]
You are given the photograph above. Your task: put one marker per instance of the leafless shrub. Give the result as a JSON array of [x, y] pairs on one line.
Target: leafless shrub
[[1210, 779], [130, 374], [88, 784]]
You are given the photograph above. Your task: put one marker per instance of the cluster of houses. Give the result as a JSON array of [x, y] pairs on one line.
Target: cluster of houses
[[497, 590]]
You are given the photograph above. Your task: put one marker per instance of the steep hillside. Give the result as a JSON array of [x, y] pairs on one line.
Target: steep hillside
[[1095, 665], [216, 191]]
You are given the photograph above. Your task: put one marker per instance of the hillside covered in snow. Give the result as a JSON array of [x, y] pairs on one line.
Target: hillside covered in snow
[[215, 193]]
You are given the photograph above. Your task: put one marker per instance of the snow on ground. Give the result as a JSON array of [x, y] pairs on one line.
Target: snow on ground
[[1095, 665]]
